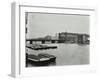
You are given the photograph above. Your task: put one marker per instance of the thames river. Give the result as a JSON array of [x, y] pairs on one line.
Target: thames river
[[66, 54]]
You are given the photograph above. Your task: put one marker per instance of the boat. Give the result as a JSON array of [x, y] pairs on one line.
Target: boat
[[40, 47], [51, 57], [40, 59]]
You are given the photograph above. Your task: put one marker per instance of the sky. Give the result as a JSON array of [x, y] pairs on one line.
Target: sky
[[42, 24]]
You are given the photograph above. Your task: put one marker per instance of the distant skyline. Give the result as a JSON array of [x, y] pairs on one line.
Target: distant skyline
[[40, 25]]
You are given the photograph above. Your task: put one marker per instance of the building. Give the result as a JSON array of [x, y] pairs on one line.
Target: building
[[74, 37]]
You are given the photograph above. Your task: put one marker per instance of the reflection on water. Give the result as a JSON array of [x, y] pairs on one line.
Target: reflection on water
[[66, 54], [30, 64]]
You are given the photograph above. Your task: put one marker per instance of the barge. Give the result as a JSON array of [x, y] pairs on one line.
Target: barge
[[40, 47], [40, 59]]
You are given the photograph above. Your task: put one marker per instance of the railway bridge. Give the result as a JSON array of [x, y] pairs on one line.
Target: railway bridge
[[44, 40]]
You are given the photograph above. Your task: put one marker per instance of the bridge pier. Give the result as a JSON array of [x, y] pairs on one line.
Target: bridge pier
[[52, 41], [31, 42], [43, 42]]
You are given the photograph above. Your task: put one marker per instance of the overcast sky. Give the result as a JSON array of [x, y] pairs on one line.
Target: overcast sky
[[40, 25]]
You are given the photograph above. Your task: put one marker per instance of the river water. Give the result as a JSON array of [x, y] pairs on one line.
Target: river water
[[67, 54]]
